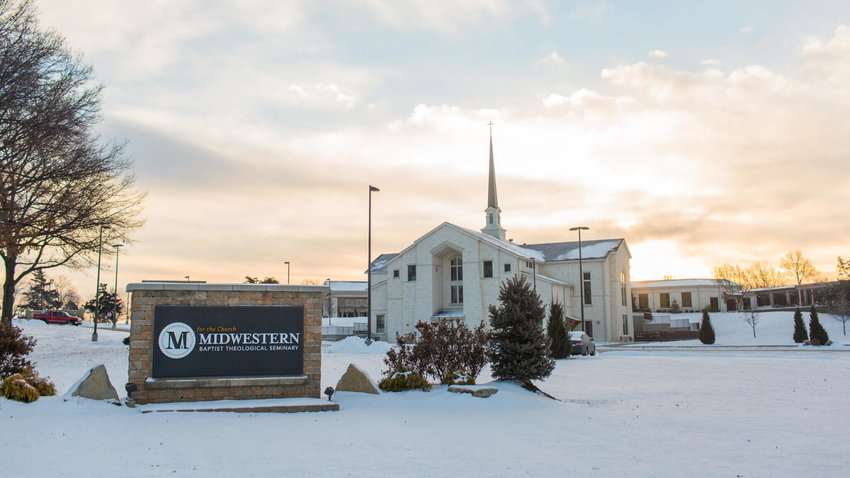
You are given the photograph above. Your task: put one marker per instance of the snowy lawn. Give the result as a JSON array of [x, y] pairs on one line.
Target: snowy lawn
[[624, 413]]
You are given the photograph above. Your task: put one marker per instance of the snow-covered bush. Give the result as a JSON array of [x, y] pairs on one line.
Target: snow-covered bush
[[15, 387], [402, 381]]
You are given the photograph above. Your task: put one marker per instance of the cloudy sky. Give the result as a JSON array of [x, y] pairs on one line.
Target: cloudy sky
[[701, 132]]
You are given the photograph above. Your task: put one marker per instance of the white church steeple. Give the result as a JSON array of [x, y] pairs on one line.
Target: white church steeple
[[493, 215]]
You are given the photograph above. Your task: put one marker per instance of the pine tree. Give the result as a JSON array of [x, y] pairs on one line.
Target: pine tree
[[557, 332], [706, 331], [800, 334], [816, 330], [41, 295], [519, 348]]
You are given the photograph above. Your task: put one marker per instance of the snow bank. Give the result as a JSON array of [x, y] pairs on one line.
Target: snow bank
[[357, 345]]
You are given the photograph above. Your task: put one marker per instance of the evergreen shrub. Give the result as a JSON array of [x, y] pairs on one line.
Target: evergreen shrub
[[519, 349], [557, 331], [800, 334], [817, 333], [706, 331]]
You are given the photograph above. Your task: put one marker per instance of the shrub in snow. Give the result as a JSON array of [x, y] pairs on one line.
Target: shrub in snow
[[458, 378], [519, 348], [401, 381], [800, 334], [439, 350], [44, 386], [706, 331], [557, 331], [15, 387], [817, 333], [14, 348]]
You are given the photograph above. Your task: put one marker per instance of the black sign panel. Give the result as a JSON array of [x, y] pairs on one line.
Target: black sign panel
[[236, 341]]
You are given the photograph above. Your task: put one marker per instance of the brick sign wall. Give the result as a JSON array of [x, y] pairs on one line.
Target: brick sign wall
[[199, 342]]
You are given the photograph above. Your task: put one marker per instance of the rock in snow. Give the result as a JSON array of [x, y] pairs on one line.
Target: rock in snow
[[94, 384], [356, 380]]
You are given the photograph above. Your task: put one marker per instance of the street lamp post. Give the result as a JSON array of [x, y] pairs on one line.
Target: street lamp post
[[115, 317], [580, 272], [369, 272], [287, 271], [97, 289]]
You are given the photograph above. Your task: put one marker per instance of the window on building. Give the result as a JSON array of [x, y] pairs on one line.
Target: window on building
[[490, 218], [395, 273], [643, 301], [665, 300], [528, 264], [457, 269], [507, 267], [686, 299], [623, 297], [625, 325], [587, 292], [488, 268], [380, 324], [411, 272], [456, 277]]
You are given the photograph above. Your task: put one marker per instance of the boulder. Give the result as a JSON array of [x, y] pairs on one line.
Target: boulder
[[356, 380], [94, 384], [475, 391]]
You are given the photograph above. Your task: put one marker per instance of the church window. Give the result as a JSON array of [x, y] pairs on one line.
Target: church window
[[488, 268], [395, 273], [624, 298], [380, 324], [507, 267], [457, 269], [456, 285], [490, 218], [411, 273], [587, 293], [528, 264], [625, 325]]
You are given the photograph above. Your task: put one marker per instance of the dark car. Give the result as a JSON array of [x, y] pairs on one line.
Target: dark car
[[582, 344]]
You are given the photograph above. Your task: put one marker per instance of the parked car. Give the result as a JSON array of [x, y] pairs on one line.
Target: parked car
[[582, 344], [58, 317]]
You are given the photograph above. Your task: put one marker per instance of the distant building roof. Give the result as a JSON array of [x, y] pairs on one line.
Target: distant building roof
[[678, 283], [347, 286]]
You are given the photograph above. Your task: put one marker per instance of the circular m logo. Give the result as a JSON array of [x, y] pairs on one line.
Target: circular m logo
[[176, 340]]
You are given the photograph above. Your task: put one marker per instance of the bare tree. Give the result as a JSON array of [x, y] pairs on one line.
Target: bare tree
[[735, 280], [59, 186], [765, 275], [799, 268], [751, 317]]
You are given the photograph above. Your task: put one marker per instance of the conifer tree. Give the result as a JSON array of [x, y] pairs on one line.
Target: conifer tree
[[817, 333], [519, 348], [557, 332], [706, 331], [800, 334]]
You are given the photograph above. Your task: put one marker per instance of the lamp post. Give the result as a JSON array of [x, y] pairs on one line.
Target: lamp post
[[187, 278], [287, 272], [369, 272], [97, 289], [115, 317], [580, 272]]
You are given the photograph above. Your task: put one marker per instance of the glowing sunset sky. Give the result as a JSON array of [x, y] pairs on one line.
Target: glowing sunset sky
[[701, 132]]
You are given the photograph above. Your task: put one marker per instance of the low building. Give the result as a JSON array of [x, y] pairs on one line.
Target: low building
[[345, 299], [684, 295]]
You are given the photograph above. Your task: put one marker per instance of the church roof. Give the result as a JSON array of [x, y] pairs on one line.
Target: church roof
[[568, 251], [380, 262]]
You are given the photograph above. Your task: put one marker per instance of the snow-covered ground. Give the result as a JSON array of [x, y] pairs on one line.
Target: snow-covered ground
[[711, 412], [773, 328]]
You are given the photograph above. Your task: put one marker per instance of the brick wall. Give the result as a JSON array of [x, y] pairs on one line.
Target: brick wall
[[147, 295]]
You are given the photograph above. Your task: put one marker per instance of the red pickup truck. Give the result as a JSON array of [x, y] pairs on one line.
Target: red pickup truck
[[58, 317]]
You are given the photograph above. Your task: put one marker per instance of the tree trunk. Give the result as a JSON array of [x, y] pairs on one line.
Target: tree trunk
[[9, 290]]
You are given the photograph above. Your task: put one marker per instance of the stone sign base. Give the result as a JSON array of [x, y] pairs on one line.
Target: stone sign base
[[143, 388]]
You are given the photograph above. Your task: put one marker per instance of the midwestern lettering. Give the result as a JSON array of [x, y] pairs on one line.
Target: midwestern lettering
[[249, 338]]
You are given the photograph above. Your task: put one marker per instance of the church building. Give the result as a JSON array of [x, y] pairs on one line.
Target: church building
[[452, 271]]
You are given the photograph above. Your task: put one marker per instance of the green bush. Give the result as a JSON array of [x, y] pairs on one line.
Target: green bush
[[800, 334], [14, 348], [817, 333], [458, 377], [44, 386], [403, 381], [559, 341], [15, 387]]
